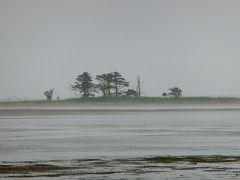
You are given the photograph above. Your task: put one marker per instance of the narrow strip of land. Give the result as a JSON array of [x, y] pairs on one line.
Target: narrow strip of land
[[108, 109]]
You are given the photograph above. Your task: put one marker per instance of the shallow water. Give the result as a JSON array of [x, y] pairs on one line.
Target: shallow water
[[119, 135]]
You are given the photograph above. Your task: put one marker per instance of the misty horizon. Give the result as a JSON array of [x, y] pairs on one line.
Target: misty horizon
[[189, 44]]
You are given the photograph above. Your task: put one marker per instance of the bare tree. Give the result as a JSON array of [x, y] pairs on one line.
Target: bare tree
[[139, 86]]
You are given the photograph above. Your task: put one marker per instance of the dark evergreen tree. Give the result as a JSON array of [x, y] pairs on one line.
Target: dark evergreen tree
[[105, 84], [119, 83], [84, 85]]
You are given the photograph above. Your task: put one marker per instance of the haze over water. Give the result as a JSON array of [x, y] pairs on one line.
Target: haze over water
[[120, 135], [192, 45]]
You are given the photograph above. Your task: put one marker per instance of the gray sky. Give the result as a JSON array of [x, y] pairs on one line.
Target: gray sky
[[193, 44]]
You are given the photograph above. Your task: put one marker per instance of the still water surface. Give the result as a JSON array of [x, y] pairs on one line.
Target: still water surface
[[120, 135]]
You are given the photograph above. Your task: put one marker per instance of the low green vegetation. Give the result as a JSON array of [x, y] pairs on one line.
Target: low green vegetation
[[131, 100], [112, 166], [28, 168], [155, 100], [193, 159]]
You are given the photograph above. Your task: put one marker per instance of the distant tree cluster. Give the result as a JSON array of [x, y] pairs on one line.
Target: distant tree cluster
[[111, 84], [108, 85], [174, 92]]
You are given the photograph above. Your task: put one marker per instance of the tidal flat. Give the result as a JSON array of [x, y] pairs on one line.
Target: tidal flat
[[183, 167], [190, 141]]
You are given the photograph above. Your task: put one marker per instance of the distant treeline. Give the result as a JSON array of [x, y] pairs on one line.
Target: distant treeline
[[108, 85], [111, 84]]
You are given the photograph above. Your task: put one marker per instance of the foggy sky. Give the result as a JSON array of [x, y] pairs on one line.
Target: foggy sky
[[193, 44]]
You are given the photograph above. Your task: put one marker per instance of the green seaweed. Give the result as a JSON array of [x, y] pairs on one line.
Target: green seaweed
[[29, 168], [193, 159]]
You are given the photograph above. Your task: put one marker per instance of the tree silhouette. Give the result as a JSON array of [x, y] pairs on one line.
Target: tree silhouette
[[84, 85], [119, 83], [139, 86], [105, 84], [175, 92], [164, 94], [131, 92], [49, 94]]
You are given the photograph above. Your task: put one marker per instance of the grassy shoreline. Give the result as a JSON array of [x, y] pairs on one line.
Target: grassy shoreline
[[131, 100]]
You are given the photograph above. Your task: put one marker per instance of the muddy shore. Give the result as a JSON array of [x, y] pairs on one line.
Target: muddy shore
[[158, 166]]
